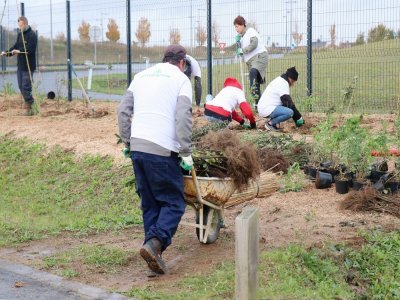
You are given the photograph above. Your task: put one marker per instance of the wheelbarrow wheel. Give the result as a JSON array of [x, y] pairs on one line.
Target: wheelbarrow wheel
[[216, 224]]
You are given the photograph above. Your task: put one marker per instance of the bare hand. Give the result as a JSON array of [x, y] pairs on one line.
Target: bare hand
[[3, 53]]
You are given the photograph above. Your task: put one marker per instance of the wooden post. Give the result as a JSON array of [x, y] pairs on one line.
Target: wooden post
[[246, 248]]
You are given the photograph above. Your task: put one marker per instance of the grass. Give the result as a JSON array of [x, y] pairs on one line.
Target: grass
[[95, 258], [45, 192], [114, 84], [297, 272], [375, 65]]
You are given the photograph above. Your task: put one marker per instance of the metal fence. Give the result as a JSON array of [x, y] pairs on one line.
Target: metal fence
[[347, 52]]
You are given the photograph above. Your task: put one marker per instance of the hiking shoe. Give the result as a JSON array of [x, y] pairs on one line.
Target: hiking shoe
[[271, 127], [151, 253]]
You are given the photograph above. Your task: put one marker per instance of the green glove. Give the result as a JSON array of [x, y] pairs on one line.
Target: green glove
[[126, 152], [246, 126], [300, 122], [239, 51], [238, 37], [186, 163]]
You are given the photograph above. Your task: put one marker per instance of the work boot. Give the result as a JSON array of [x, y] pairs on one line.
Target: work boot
[[151, 253]]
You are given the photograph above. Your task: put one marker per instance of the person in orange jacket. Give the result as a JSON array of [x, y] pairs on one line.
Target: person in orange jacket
[[223, 106]]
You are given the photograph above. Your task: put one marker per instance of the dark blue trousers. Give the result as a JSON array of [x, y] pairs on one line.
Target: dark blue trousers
[[159, 184], [25, 85]]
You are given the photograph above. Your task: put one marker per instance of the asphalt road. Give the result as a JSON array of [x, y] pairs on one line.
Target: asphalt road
[[21, 282]]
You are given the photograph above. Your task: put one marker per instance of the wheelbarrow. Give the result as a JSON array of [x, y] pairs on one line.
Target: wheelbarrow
[[207, 195]]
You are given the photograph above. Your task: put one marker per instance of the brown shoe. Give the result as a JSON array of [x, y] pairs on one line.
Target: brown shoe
[[151, 253]]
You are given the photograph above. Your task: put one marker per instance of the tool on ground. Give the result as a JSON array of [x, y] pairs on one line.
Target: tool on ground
[[240, 57], [82, 88]]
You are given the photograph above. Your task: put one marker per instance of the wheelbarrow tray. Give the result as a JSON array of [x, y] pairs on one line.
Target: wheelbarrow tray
[[213, 189]]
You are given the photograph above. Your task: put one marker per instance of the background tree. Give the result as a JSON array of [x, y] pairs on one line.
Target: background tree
[[332, 33], [215, 32], [112, 34], [174, 36], [201, 35], [360, 40], [60, 37], [143, 32], [380, 33], [83, 31], [297, 37], [398, 34]]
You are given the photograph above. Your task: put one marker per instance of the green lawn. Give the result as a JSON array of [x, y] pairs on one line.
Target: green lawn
[[44, 193]]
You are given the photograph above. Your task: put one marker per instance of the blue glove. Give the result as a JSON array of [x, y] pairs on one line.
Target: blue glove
[[237, 38], [239, 51], [186, 163], [300, 122]]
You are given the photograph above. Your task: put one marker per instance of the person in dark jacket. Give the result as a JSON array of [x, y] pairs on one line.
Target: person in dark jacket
[[25, 48]]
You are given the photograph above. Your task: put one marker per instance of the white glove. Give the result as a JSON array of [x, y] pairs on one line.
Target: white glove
[[186, 163], [3, 53]]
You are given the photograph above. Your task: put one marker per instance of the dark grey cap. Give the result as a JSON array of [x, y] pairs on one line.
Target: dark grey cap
[[175, 52]]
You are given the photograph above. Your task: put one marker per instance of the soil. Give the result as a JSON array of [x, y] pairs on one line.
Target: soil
[[311, 217]]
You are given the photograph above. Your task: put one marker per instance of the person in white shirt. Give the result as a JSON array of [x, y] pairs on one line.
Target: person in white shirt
[[155, 123], [276, 103], [223, 106], [192, 70], [254, 53]]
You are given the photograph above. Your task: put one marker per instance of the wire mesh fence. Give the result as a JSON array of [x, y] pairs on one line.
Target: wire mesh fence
[[355, 45]]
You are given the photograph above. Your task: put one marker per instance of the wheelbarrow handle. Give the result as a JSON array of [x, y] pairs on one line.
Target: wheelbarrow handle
[[196, 185]]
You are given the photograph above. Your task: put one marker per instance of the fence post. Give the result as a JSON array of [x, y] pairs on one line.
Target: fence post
[[128, 41], [309, 47], [246, 253], [209, 48], [22, 9], [2, 45], [69, 58]]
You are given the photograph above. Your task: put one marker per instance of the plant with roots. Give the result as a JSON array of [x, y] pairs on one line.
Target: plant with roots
[[294, 180]]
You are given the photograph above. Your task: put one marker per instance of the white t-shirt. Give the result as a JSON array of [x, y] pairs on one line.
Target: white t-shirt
[[271, 98], [196, 71], [155, 92], [250, 32], [229, 98]]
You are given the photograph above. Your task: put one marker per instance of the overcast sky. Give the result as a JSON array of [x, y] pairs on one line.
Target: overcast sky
[[274, 19]]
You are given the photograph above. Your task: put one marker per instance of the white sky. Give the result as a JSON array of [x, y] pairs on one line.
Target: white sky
[[273, 18]]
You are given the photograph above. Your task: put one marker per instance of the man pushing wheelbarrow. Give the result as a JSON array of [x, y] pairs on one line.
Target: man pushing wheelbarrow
[[155, 123]]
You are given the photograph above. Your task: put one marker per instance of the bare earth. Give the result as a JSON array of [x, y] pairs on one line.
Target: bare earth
[[311, 217]]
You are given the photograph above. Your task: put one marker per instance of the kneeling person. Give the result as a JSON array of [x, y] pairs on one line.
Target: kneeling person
[[223, 106], [276, 102]]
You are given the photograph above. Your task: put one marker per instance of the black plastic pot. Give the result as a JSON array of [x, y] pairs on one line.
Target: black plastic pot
[[323, 180], [358, 185], [393, 186], [312, 172], [342, 186], [376, 175]]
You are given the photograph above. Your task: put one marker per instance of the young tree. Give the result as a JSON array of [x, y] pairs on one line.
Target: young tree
[[380, 33], [360, 39], [143, 32], [215, 31], [112, 34], [297, 37], [332, 33], [174, 36], [83, 31], [201, 35]]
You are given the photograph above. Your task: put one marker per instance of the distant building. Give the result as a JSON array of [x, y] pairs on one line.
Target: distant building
[[319, 44]]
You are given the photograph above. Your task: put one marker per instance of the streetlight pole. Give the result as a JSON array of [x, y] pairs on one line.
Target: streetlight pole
[[51, 33], [291, 13], [191, 25]]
